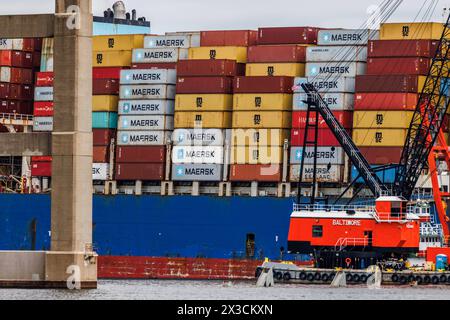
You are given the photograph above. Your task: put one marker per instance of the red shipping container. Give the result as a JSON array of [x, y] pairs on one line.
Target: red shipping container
[[386, 101], [103, 137], [219, 85], [16, 91], [18, 107], [37, 44], [260, 173], [167, 65], [263, 84], [107, 73], [299, 119], [42, 159], [402, 48], [41, 169], [140, 171], [230, 38], [44, 79], [36, 60], [288, 35], [101, 154], [31, 44], [16, 75], [210, 68], [382, 155], [18, 59], [105, 86], [326, 137], [43, 109], [283, 53], [134, 154], [400, 66], [387, 83]]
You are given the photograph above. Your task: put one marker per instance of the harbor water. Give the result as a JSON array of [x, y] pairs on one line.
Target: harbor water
[[218, 290]]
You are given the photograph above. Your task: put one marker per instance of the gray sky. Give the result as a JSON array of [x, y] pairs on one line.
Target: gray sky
[[187, 15]]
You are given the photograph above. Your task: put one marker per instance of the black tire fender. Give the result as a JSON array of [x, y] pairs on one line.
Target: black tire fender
[[443, 279], [310, 277], [364, 278], [349, 277], [419, 279], [317, 276], [435, 280], [395, 278], [356, 278], [278, 276], [403, 280], [325, 277], [302, 275], [287, 276], [427, 280]]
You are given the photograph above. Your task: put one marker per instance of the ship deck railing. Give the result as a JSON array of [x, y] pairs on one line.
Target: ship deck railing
[[330, 208], [343, 243]]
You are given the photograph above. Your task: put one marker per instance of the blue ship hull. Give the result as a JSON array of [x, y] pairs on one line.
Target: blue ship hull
[[154, 226]]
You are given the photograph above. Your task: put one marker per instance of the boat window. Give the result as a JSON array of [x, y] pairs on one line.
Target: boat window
[[396, 209], [317, 231]]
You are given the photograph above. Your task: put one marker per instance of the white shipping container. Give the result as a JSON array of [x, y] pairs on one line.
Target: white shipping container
[[325, 173], [143, 138], [143, 123], [342, 69], [43, 93], [100, 171], [197, 172], [146, 107], [200, 137], [159, 55], [340, 85], [325, 155], [172, 41], [335, 101], [147, 91], [5, 74], [336, 53], [43, 124], [148, 76], [197, 155], [347, 37], [6, 44]]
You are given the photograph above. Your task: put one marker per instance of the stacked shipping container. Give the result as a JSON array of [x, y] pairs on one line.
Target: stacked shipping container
[[387, 96], [204, 103], [332, 67]]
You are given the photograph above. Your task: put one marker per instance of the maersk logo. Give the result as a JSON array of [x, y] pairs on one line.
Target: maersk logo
[[126, 107], [127, 93], [314, 70], [327, 37], [124, 138], [125, 123], [180, 154], [181, 138], [298, 155], [179, 171]]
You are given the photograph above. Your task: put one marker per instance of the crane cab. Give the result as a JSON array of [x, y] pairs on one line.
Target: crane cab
[[391, 208]]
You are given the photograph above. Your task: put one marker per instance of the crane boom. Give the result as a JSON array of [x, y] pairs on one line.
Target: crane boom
[[358, 160], [427, 120]]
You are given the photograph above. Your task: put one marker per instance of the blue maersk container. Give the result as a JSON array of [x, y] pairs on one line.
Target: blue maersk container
[[441, 262], [104, 120], [109, 26], [386, 176]]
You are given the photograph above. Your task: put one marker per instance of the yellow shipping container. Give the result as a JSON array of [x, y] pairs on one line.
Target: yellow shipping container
[[382, 119], [212, 120], [259, 137], [275, 69], [257, 155], [111, 58], [262, 120], [411, 31], [105, 103], [117, 42], [204, 102], [231, 53], [379, 137], [264, 102]]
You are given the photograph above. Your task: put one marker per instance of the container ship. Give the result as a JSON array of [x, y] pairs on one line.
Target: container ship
[[198, 138]]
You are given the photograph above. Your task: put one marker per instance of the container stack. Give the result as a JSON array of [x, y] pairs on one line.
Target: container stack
[[17, 62], [145, 123], [112, 54], [262, 108], [332, 67], [387, 96], [204, 103]]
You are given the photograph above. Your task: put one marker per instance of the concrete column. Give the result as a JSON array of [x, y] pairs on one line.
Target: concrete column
[[71, 224]]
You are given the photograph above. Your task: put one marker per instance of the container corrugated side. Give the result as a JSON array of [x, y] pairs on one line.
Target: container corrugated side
[[324, 173], [257, 155], [104, 120], [159, 55], [324, 155], [117, 42], [262, 102], [346, 37], [275, 69], [239, 54], [107, 103], [111, 58], [340, 85], [213, 120], [200, 137], [143, 138], [335, 101], [145, 122], [148, 91], [148, 76], [204, 102], [197, 155], [262, 120], [259, 137], [146, 107], [379, 137], [382, 119], [343, 69], [336, 53], [172, 41], [411, 31]]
